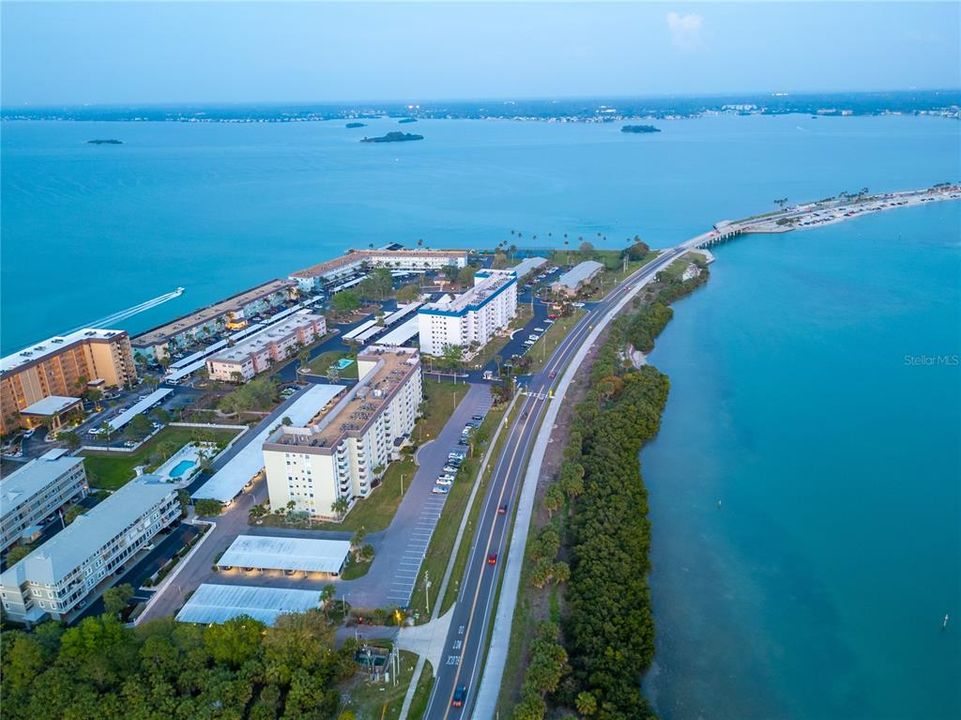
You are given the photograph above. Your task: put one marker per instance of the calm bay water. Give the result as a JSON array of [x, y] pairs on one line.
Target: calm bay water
[[817, 589]]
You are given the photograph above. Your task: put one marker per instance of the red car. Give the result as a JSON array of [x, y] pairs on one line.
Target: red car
[[492, 559], [553, 316], [502, 510]]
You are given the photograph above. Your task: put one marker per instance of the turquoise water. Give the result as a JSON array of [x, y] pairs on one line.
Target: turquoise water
[[344, 363], [91, 229], [817, 590], [181, 467]]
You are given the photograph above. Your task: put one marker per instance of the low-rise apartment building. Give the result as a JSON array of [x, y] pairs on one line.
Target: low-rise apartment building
[[318, 277], [37, 490], [232, 313], [256, 353], [473, 317], [575, 279], [58, 578], [343, 451], [61, 366]]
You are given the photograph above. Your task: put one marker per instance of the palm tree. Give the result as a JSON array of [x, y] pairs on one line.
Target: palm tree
[[420, 242], [326, 595]]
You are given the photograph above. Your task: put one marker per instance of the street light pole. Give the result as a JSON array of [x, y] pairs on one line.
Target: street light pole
[[427, 590]]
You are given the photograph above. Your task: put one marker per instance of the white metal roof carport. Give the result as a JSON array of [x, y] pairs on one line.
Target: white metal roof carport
[[286, 553]]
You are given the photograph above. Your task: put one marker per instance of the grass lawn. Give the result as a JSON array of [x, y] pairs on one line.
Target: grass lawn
[[552, 337], [440, 399], [110, 471], [355, 569], [418, 706], [320, 364], [381, 701], [373, 513]]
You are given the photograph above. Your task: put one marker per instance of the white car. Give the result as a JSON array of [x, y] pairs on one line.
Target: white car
[[538, 330], [578, 304], [439, 490], [446, 476], [440, 482]]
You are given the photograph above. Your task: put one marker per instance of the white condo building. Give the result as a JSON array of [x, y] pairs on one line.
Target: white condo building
[[36, 491], [255, 354], [56, 578], [343, 451], [471, 317]]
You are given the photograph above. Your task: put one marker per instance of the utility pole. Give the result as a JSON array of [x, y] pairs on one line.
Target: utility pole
[[427, 590]]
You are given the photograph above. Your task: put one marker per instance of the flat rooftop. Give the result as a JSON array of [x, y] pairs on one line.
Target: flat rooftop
[[161, 334], [580, 273], [227, 482], [58, 343], [360, 407], [65, 551], [25, 482], [51, 405], [133, 411], [358, 256], [275, 333], [475, 297], [286, 553], [220, 603]]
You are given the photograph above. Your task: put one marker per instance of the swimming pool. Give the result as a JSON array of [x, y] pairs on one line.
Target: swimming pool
[[344, 363], [181, 467]]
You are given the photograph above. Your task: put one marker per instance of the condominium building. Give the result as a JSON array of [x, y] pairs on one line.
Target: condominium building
[[575, 279], [343, 451], [232, 313], [318, 277], [37, 490], [472, 317], [59, 577], [61, 367], [255, 354]]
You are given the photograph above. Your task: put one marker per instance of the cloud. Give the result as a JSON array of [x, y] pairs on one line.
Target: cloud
[[685, 30]]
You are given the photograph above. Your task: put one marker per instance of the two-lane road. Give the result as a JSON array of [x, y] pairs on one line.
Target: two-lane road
[[467, 638]]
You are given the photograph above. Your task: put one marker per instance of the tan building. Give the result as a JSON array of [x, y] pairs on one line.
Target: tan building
[[232, 313], [342, 452], [61, 366], [255, 354]]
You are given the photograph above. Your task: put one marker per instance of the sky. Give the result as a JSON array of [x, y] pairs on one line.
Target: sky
[[222, 52]]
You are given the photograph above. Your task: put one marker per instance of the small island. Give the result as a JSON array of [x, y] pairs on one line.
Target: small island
[[640, 129], [402, 121], [356, 124], [393, 137], [105, 142]]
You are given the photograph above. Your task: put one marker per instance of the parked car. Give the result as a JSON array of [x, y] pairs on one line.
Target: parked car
[[450, 469], [478, 418], [439, 490], [441, 482], [446, 476], [538, 330]]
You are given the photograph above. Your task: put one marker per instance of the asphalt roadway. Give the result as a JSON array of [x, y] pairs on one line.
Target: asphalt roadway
[[467, 639]]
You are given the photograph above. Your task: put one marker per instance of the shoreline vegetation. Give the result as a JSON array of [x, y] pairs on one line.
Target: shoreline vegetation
[[940, 103], [587, 635], [393, 137], [640, 129]]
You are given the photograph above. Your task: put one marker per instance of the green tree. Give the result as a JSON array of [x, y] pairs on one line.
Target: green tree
[[451, 357], [206, 507], [340, 506], [586, 703], [344, 302], [465, 277], [500, 260], [18, 553], [586, 249], [408, 293], [71, 438], [235, 641], [115, 599], [73, 512], [138, 428], [553, 499], [160, 415]]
